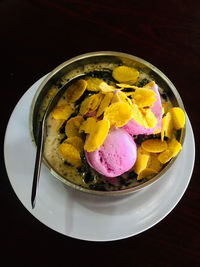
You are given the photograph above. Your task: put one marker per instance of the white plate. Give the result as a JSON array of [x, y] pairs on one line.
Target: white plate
[[80, 215]]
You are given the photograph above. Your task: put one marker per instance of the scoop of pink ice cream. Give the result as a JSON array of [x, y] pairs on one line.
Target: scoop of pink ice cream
[[115, 156], [133, 128]]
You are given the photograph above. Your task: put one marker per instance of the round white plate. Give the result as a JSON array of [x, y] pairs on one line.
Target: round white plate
[[80, 215]]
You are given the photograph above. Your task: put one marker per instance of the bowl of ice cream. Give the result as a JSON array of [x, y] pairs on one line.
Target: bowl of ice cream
[[117, 128]]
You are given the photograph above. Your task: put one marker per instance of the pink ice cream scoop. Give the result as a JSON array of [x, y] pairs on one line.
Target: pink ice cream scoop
[[133, 128], [115, 156]]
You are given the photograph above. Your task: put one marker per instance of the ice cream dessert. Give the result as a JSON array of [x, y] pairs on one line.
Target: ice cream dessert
[[110, 134], [115, 156]]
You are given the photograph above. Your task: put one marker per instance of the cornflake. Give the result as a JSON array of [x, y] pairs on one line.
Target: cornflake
[[75, 91], [124, 74], [105, 88], [91, 103], [173, 149], [178, 117], [154, 163], [144, 97], [104, 103], [167, 126], [150, 118], [124, 85], [87, 125], [118, 114], [97, 135], [77, 142], [62, 112], [60, 123], [73, 125], [143, 117], [93, 84], [141, 160], [154, 145], [70, 154], [146, 173], [165, 107], [121, 97]]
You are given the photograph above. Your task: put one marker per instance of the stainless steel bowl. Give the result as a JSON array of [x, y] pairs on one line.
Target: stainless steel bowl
[[90, 62]]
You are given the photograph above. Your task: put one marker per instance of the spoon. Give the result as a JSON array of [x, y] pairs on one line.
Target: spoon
[[41, 138]]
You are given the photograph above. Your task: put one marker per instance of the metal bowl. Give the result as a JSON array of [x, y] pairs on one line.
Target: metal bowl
[[90, 62]]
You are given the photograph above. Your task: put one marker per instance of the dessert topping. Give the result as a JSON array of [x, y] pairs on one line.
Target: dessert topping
[[154, 145], [62, 112], [124, 74], [73, 125], [75, 91], [70, 154]]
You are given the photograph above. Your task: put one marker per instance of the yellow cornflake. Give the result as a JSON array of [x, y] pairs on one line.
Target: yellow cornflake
[[75, 141], [62, 112], [178, 117], [144, 117], [146, 173], [141, 161], [118, 114], [73, 125], [165, 107], [154, 163], [124, 74], [150, 118], [163, 128], [154, 145], [70, 154], [104, 103], [156, 131], [75, 91], [167, 126], [121, 97], [144, 97], [97, 135], [87, 125], [162, 111], [149, 85], [173, 149], [138, 116], [105, 88], [116, 98], [124, 85], [128, 94], [93, 84], [60, 123], [96, 84], [91, 103]]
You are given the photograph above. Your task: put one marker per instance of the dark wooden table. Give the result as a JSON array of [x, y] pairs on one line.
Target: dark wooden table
[[38, 35]]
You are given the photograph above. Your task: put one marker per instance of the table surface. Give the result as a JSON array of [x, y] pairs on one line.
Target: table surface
[[38, 35]]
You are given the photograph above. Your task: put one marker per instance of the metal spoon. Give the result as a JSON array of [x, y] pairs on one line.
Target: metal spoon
[[41, 138]]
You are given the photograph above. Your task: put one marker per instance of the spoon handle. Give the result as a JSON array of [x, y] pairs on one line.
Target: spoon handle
[[41, 137], [38, 162]]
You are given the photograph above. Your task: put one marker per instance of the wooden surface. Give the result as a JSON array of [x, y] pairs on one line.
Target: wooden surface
[[36, 36]]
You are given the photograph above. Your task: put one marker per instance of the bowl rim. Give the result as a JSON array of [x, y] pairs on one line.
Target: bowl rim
[[94, 54]]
